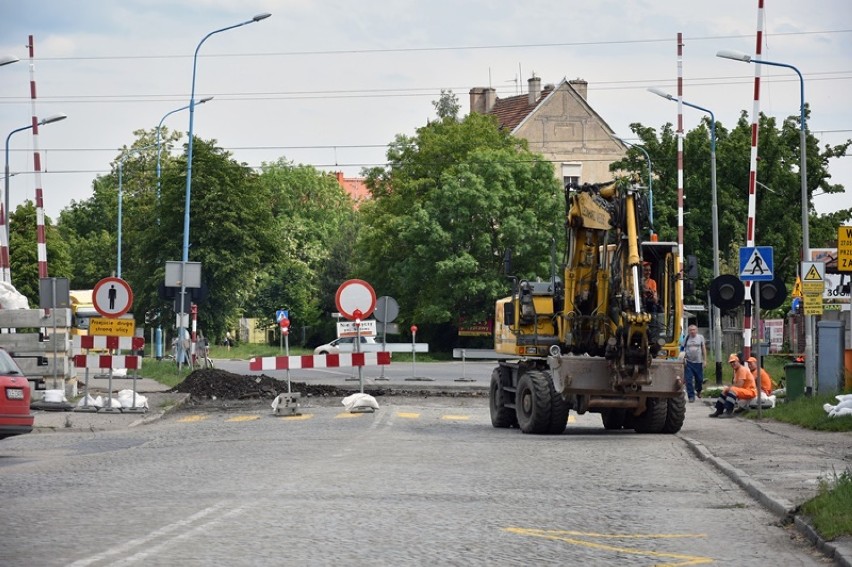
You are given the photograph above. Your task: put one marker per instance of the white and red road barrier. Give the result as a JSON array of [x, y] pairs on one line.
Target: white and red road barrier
[[320, 361], [107, 343], [103, 361]]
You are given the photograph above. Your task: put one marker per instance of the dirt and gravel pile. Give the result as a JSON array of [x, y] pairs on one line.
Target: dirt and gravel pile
[[209, 384]]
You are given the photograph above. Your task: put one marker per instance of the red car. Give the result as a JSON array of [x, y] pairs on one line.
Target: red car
[[15, 416]]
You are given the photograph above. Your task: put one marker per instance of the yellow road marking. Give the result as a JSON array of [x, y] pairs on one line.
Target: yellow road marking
[[455, 417], [347, 415], [408, 415], [192, 418], [568, 536], [243, 418], [301, 417], [572, 418]]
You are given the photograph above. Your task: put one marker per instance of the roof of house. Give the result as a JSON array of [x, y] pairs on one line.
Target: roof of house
[[355, 187], [511, 111]]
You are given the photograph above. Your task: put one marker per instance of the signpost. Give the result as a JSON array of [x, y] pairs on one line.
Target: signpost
[[757, 265], [356, 300]]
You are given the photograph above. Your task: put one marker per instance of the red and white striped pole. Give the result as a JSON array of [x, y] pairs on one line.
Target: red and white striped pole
[[193, 336], [41, 245], [752, 179], [5, 268], [680, 168]]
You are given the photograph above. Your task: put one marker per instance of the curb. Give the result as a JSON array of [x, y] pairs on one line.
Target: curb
[[179, 403], [839, 551]]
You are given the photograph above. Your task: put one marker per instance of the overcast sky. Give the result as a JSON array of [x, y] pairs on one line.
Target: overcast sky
[[330, 83]]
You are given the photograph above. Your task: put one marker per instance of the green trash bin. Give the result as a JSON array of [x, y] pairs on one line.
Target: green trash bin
[[794, 375]]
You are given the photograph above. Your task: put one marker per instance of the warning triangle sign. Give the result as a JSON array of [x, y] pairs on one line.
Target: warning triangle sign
[[813, 275], [797, 289]]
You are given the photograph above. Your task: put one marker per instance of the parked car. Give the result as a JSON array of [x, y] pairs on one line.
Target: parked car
[[15, 416], [343, 344]]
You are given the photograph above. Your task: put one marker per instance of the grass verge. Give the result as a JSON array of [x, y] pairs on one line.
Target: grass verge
[[831, 511]]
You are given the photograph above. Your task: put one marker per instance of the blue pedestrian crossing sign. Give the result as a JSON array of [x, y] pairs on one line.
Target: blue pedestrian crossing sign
[[756, 264], [281, 314]]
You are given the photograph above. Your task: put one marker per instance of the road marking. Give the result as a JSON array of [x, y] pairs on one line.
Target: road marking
[[300, 417], [243, 418], [407, 415], [348, 415], [569, 536], [455, 417], [193, 418]]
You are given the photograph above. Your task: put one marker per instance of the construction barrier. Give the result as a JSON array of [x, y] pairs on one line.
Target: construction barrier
[[320, 361]]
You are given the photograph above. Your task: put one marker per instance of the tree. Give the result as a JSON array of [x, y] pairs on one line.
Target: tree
[[23, 252], [447, 106], [778, 215], [451, 201], [313, 218]]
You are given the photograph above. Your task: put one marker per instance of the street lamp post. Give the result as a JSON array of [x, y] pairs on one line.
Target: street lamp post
[[717, 319], [803, 171], [185, 255], [160, 127], [48, 120], [121, 160]]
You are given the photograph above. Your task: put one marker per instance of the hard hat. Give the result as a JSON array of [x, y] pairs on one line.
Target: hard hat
[[733, 357], [752, 359]]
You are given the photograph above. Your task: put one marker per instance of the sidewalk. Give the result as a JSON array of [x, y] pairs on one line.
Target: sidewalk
[[778, 464]]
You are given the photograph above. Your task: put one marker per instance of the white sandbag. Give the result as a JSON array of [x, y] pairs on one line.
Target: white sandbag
[[840, 412], [843, 397], [119, 372], [89, 401], [360, 400], [112, 403], [125, 398], [11, 298], [55, 396], [768, 402]]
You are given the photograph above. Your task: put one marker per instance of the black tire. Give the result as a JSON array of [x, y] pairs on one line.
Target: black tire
[[538, 408], [654, 418], [613, 418], [501, 416], [675, 414]]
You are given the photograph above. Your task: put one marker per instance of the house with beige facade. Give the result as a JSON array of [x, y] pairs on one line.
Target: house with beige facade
[[557, 122]]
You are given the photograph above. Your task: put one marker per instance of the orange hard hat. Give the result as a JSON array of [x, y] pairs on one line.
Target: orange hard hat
[[733, 357]]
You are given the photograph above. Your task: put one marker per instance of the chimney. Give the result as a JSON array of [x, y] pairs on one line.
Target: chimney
[[477, 100], [535, 89], [490, 99], [339, 176], [581, 86]]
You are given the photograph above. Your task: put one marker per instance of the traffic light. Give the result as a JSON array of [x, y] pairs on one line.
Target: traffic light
[[727, 292], [772, 294]]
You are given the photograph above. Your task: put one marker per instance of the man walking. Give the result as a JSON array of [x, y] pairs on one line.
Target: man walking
[[695, 355]]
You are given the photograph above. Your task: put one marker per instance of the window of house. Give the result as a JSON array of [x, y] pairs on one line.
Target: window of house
[[571, 173]]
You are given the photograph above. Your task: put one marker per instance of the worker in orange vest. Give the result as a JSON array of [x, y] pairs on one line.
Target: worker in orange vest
[[765, 378], [743, 388]]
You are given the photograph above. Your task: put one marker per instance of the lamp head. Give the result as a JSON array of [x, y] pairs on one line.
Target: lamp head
[[660, 92], [51, 119], [7, 59], [259, 17], [735, 55], [205, 99]]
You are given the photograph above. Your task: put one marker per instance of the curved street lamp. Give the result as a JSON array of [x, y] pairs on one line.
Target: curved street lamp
[[717, 320], [49, 120], [160, 127], [8, 59], [185, 255], [803, 170]]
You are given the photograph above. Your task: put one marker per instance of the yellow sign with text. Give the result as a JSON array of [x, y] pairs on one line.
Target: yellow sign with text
[[813, 304], [844, 249], [111, 327]]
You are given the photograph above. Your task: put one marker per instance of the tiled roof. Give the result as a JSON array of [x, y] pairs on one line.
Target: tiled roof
[[511, 111]]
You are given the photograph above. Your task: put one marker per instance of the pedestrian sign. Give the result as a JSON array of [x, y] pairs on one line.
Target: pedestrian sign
[[756, 264], [281, 314]]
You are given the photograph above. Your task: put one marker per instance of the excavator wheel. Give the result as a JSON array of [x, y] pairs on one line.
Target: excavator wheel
[[654, 418], [539, 408], [501, 416], [675, 414]]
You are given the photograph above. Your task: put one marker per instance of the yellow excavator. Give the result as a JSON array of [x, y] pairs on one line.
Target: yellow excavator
[[601, 337]]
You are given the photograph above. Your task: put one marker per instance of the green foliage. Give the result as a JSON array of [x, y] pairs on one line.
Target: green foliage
[[778, 216], [831, 510], [23, 252], [447, 107], [450, 203]]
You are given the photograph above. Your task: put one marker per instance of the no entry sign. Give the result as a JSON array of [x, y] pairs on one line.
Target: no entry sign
[[355, 299]]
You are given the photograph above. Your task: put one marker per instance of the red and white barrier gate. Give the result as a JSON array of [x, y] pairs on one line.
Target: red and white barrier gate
[[320, 361], [105, 361], [111, 343]]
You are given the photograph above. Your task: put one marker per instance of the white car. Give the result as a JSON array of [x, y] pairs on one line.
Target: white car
[[343, 344]]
